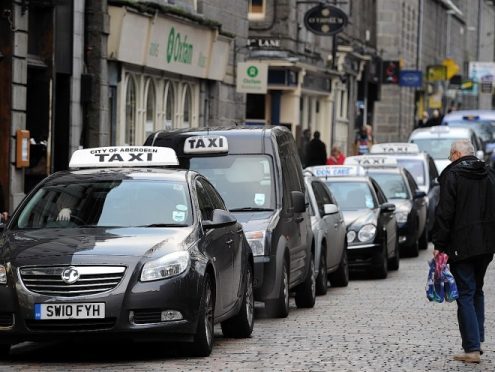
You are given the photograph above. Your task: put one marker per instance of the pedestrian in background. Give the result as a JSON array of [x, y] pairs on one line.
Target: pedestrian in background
[[336, 157], [423, 120], [4, 215], [465, 230], [362, 144], [303, 146], [316, 151], [436, 119]]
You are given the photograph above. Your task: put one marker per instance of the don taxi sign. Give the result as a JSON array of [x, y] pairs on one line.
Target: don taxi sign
[[336, 170], [123, 156], [394, 148], [369, 161], [206, 144]]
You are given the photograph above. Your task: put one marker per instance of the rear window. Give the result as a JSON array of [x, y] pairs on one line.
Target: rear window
[[352, 196], [393, 185], [416, 167]]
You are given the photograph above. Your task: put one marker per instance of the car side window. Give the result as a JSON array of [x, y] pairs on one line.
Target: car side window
[[381, 197], [323, 196], [319, 197], [205, 204], [215, 197], [432, 168], [413, 186]]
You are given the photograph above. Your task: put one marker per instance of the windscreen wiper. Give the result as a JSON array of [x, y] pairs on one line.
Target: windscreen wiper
[[165, 225], [251, 209]]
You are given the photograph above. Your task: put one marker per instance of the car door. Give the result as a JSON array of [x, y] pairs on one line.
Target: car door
[[234, 243], [218, 249], [387, 219]]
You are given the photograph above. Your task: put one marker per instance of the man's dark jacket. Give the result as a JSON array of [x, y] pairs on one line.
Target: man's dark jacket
[[316, 153], [465, 214]]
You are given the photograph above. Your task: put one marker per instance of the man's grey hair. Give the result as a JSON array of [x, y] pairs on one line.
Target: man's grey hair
[[465, 147]]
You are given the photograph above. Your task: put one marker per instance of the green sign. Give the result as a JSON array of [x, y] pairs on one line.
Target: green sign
[[252, 71], [178, 49]]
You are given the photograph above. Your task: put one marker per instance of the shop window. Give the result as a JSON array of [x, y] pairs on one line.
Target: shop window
[[130, 112], [149, 124], [169, 99], [187, 107], [256, 10]]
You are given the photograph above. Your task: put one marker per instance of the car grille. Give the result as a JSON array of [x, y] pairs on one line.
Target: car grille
[[71, 324], [6, 319], [92, 280], [146, 316]]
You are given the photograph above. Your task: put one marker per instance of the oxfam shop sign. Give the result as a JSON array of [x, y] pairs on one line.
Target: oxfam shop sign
[[178, 49], [252, 77]]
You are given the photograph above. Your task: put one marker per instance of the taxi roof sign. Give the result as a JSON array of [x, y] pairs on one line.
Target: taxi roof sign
[[336, 170], [206, 144], [372, 161], [123, 156], [395, 148]]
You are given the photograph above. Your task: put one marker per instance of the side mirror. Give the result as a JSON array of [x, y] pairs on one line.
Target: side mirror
[[387, 207], [220, 218], [435, 182], [480, 154], [330, 209], [298, 201], [419, 194]]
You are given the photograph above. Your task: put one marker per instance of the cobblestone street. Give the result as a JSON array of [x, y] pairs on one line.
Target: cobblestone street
[[372, 325]]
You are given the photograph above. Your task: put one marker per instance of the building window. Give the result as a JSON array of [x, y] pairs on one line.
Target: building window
[[149, 124], [130, 112], [256, 10], [186, 106], [169, 102]]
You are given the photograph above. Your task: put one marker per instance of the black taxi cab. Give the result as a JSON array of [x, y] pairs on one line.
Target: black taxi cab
[[259, 175], [120, 246], [372, 236], [401, 189]]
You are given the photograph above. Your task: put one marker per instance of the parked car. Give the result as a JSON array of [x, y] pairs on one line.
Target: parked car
[[436, 141], [372, 237], [329, 232], [422, 168], [118, 246], [470, 115], [400, 188], [259, 175]]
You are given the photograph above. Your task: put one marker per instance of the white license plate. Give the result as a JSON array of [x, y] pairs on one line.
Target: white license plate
[[69, 311]]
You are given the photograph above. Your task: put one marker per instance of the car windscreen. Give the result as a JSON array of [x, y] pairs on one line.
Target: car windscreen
[[243, 181], [483, 129], [352, 196], [393, 185], [438, 148], [119, 203], [416, 168]]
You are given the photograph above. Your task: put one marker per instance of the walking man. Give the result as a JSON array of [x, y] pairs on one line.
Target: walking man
[[316, 151], [465, 230]]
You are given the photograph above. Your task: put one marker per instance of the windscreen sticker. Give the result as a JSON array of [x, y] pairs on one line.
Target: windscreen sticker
[[369, 202], [181, 207], [259, 199], [179, 216]]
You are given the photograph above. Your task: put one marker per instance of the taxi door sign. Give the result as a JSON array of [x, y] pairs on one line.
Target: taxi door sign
[[367, 161], [123, 156], [395, 148], [336, 170], [206, 145]]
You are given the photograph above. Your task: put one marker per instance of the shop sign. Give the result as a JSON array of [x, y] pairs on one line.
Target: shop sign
[[252, 77], [264, 43], [411, 78], [487, 84], [390, 72], [325, 20], [436, 73]]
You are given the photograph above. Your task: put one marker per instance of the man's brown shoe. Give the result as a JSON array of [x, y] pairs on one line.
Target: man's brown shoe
[[471, 357]]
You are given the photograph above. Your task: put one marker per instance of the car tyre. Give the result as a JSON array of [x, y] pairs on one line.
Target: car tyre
[[279, 308], [321, 279], [381, 270], [203, 339], [241, 325], [340, 278], [413, 250], [394, 262], [306, 291], [423, 239]]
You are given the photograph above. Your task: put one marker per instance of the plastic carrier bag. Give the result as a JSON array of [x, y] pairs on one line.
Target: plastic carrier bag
[[440, 284]]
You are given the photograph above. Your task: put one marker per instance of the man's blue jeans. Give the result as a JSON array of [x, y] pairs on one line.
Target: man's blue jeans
[[469, 276]]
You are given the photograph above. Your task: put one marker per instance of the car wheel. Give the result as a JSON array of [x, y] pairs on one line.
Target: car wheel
[[279, 308], [413, 250], [340, 278], [203, 339], [4, 351], [306, 291], [321, 279], [423, 239], [394, 262], [241, 325], [381, 270]]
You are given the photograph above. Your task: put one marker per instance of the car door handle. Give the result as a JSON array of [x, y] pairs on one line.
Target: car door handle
[[299, 219], [229, 242]]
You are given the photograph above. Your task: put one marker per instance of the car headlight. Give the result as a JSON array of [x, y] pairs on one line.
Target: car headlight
[[256, 240], [3, 275], [367, 232], [351, 235], [165, 267]]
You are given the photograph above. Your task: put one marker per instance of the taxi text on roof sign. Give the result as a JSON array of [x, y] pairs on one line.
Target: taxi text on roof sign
[[369, 161], [123, 156], [206, 144], [336, 170], [395, 148]]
